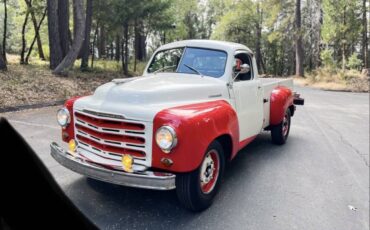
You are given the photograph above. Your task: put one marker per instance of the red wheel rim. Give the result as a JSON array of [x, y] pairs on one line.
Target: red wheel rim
[[285, 125], [209, 171]]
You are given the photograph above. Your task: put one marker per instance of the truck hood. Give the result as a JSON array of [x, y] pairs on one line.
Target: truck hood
[[141, 98]]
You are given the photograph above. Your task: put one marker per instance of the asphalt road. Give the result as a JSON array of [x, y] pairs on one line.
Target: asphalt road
[[318, 180]]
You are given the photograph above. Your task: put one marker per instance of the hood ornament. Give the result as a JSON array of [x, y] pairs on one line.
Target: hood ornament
[[124, 80]]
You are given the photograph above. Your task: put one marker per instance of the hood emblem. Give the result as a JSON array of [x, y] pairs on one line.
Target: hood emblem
[[215, 95]]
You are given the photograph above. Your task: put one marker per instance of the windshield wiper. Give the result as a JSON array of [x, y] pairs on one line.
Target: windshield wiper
[[164, 68], [195, 70]]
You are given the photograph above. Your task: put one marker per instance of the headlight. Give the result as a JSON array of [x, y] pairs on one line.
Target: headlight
[[63, 117], [166, 138]]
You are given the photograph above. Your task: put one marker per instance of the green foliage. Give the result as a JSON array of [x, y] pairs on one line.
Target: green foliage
[[341, 27], [354, 62], [334, 24], [238, 25], [327, 58]]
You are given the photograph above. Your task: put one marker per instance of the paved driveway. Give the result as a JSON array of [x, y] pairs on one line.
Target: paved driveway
[[318, 180]]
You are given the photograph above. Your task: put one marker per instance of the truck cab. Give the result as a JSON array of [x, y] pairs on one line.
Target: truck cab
[[197, 104]]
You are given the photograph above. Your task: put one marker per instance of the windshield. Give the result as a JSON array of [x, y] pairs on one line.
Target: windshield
[[201, 61]]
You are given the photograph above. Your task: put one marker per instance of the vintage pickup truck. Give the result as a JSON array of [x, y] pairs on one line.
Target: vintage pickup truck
[[197, 104]]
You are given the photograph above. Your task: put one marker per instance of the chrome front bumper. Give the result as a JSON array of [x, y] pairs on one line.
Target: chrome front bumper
[[147, 179]]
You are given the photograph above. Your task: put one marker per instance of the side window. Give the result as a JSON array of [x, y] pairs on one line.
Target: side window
[[243, 58]]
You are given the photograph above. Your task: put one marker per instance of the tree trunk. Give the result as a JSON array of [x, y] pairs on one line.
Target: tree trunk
[[63, 26], [71, 56], [37, 34], [93, 44], [118, 49], [2, 61], [164, 37], [23, 51], [55, 49], [260, 64], [125, 66], [317, 33], [344, 42], [111, 52], [365, 51], [143, 37], [101, 42], [143, 48], [139, 44], [299, 46], [5, 30], [35, 26], [85, 50], [136, 43], [123, 53]]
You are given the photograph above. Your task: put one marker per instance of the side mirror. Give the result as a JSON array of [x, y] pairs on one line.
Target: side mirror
[[244, 68]]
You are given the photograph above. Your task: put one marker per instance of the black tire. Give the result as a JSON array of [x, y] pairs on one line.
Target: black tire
[[189, 190], [278, 134]]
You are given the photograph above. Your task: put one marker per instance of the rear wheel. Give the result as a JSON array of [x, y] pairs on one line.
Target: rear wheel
[[197, 189], [280, 132]]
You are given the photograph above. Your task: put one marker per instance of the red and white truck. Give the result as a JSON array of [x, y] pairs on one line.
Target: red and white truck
[[198, 103]]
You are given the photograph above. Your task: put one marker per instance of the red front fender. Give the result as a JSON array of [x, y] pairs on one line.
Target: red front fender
[[196, 126], [68, 131]]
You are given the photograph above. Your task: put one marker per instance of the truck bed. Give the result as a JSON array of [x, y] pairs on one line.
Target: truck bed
[[288, 82], [268, 84]]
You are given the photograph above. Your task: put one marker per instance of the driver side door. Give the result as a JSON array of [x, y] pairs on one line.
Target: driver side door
[[249, 103]]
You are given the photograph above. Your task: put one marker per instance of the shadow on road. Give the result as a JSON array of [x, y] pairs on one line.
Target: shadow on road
[[113, 205]]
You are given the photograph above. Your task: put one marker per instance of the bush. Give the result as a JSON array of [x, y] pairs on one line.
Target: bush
[[327, 58], [354, 62]]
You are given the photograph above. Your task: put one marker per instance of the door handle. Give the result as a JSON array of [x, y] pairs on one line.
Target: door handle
[[259, 87]]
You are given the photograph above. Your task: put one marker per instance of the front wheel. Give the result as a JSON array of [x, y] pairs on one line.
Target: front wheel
[[197, 189], [280, 132]]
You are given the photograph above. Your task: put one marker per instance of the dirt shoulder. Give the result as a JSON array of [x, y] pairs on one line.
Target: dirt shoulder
[[350, 81], [360, 87], [35, 84]]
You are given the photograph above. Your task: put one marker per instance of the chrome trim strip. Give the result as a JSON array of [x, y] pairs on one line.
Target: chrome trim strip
[[106, 142], [110, 155], [110, 118], [101, 130]]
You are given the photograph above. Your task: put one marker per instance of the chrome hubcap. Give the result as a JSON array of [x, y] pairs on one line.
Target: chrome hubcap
[[209, 171], [208, 167]]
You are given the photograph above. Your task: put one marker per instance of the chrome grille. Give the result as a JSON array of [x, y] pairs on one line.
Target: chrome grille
[[109, 136]]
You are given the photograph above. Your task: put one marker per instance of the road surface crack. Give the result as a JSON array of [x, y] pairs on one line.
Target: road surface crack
[[344, 141]]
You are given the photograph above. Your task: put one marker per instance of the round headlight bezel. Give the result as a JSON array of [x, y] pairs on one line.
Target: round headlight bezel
[[172, 131], [67, 114]]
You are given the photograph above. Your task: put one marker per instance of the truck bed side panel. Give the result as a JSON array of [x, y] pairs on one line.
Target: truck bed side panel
[[268, 85]]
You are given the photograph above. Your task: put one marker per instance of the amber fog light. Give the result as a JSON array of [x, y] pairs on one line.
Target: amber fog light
[[72, 145], [127, 162]]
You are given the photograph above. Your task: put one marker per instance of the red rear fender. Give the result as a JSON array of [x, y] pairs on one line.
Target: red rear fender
[[281, 98]]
